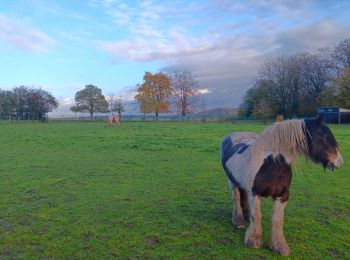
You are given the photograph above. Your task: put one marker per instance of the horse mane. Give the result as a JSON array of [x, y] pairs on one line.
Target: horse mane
[[287, 138]]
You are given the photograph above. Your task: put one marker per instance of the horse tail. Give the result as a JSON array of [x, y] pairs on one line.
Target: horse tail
[[226, 153]]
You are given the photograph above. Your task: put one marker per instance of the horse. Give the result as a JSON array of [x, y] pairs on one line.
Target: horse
[[113, 119], [259, 166]]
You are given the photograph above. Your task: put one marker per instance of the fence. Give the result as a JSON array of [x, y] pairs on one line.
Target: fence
[[148, 118]]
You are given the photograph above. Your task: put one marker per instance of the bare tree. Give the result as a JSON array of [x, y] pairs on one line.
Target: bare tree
[[297, 84], [184, 84], [110, 99], [118, 106], [115, 104], [341, 55], [316, 76], [282, 75]]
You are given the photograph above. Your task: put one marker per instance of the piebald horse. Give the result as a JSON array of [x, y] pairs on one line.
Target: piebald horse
[[260, 166], [113, 119]]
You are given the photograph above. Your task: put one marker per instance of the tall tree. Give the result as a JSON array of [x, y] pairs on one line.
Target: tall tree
[[91, 100], [297, 84], [341, 55], [24, 102], [183, 84], [40, 102], [145, 103], [21, 94], [154, 93], [283, 77], [257, 101], [7, 103], [315, 78], [343, 98]]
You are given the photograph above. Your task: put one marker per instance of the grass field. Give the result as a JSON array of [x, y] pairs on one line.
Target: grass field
[[150, 190]]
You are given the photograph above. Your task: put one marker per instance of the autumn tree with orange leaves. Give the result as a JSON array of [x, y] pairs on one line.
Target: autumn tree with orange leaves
[[183, 83], [154, 93]]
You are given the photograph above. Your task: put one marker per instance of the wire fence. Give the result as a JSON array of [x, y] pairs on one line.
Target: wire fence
[[126, 118], [148, 118]]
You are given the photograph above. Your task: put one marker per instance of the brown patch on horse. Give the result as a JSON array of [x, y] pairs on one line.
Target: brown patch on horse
[[332, 156], [273, 179]]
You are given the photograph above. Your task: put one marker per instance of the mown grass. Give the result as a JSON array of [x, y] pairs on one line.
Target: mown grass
[[150, 190]]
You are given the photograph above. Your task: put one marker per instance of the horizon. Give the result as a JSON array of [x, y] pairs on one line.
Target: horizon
[[62, 46]]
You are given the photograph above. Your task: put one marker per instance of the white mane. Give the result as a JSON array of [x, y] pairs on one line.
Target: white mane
[[287, 138]]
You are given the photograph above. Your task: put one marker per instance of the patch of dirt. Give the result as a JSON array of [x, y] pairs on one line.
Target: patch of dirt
[[226, 241], [152, 240], [129, 225], [6, 255], [333, 252], [201, 245], [86, 239]]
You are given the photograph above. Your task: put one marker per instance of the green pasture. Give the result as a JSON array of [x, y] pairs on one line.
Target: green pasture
[[151, 190]]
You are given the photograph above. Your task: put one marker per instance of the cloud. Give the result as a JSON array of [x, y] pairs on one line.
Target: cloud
[[127, 93], [311, 37], [203, 91], [18, 34], [223, 42], [68, 101]]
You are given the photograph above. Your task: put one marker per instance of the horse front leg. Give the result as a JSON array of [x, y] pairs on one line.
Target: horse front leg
[[278, 242], [253, 235]]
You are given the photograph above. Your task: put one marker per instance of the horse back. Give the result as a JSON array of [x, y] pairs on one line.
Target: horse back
[[235, 143]]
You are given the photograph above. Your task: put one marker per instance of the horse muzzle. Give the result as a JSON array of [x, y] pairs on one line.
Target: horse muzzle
[[330, 166], [336, 163]]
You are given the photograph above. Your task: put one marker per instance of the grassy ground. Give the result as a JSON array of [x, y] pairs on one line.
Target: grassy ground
[[150, 190]]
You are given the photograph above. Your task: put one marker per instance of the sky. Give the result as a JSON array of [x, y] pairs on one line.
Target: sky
[[61, 46]]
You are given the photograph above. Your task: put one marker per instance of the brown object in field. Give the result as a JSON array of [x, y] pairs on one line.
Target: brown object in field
[[113, 119], [279, 118]]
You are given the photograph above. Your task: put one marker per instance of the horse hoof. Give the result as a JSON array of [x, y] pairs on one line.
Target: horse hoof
[[253, 242], [280, 248], [238, 225]]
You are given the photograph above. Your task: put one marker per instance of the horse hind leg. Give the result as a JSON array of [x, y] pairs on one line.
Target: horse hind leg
[[237, 212]]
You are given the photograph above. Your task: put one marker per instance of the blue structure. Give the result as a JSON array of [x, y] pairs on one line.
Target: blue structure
[[335, 115]]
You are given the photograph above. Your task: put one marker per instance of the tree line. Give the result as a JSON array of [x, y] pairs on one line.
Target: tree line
[[295, 85], [27, 103], [159, 93]]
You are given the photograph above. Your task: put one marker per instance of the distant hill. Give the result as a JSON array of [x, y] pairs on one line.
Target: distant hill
[[223, 112]]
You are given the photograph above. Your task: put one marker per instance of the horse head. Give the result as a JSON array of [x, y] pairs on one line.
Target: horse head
[[322, 146]]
